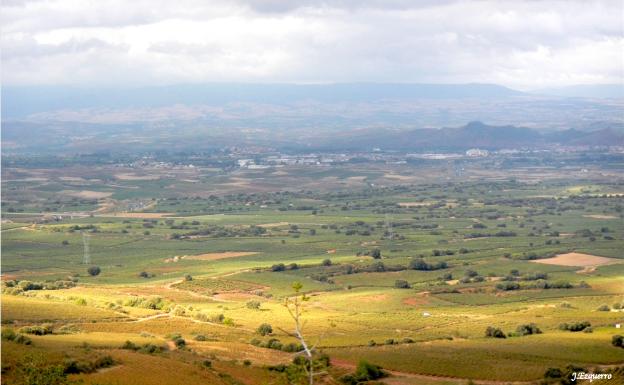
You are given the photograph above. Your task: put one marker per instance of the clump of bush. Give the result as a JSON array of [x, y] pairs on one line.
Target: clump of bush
[[365, 371], [506, 286], [73, 366], [94, 270], [527, 329], [401, 284], [38, 330], [253, 304], [539, 284], [10, 335], [264, 329], [575, 327], [16, 287], [153, 302], [493, 332], [297, 371], [276, 344], [420, 264], [146, 348], [556, 376], [617, 341], [604, 308]]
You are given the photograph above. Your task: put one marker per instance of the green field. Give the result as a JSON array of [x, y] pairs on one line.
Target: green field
[[406, 276]]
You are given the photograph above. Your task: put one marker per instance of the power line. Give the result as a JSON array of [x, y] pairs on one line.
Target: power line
[[86, 259]]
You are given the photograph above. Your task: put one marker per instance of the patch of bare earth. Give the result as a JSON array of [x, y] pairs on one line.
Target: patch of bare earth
[[413, 204], [86, 194], [416, 301], [215, 256], [374, 298], [275, 224], [142, 215], [130, 176], [588, 261], [597, 216]]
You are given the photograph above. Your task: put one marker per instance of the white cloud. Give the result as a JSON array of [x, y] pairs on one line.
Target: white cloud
[[522, 44]]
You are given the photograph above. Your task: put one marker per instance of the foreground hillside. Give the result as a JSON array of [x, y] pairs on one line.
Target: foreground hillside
[[438, 283]]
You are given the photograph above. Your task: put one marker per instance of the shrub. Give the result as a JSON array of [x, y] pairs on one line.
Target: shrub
[[401, 284], [274, 343], [326, 262], [37, 330], [575, 327], [278, 267], [150, 349], [179, 342], [508, 286], [292, 347], [178, 311], [188, 277], [253, 304], [617, 341], [604, 308], [471, 273], [264, 329], [527, 329], [129, 345], [8, 334], [94, 270], [206, 363], [22, 339], [200, 337], [376, 254], [493, 332]]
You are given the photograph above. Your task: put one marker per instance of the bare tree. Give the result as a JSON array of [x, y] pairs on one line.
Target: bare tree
[[294, 305]]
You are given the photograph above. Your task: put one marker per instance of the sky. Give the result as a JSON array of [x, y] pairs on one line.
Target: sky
[[525, 45]]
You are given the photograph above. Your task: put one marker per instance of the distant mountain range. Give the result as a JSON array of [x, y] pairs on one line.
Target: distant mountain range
[[19, 102], [473, 135], [602, 91]]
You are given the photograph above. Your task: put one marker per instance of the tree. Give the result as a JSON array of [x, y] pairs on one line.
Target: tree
[[418, 264], [401, 284], [528, 329], [264, 329], [278, 267], [94, 270], [617, 341], [494, 332], [294, 305]]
